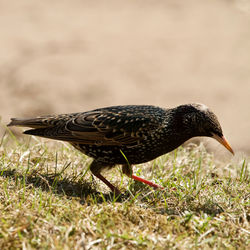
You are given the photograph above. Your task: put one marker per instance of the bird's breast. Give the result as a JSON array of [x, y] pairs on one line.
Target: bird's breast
[[147, 149]]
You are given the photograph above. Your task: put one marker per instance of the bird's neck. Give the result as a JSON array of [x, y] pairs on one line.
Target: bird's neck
[[175, 136]]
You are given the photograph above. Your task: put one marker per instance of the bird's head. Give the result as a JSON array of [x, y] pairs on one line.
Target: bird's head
[[201, 121]]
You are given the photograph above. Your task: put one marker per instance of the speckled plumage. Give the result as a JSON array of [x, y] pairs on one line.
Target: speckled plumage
[[141, 132]]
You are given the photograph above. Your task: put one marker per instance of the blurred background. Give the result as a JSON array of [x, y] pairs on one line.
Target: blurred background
[[67, 56]]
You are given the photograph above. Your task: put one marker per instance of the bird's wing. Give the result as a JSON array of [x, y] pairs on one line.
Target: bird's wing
[[100, 128]]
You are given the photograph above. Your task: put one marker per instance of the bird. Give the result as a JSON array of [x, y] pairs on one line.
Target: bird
[[127, 135]]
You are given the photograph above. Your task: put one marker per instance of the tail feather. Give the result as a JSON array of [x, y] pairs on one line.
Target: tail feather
[[32, 123], [38, 132], [44, 127], [56, 133]]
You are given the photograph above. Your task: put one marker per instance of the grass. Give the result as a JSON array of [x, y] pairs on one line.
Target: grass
[[49, 200]]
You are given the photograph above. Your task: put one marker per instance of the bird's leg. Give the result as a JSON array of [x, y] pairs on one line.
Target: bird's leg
[[96, 168], [126, 169]]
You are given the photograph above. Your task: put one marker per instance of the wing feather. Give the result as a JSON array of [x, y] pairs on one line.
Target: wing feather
[[100, 127]]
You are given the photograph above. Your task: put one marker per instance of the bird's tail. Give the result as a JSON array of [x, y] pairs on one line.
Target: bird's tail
[[39, 122], [47, 126]]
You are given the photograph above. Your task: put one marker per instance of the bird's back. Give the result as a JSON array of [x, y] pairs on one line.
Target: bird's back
[[116, 125]]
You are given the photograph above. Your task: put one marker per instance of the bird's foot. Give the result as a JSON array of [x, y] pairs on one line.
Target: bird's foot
[[147, 182]]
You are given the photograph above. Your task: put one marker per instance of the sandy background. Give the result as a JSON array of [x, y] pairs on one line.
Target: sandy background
[[65, 56]]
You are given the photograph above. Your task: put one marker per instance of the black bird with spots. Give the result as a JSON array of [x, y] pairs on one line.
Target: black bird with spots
[[139, 132]]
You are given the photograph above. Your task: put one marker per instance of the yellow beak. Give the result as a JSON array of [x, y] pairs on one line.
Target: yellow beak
[[224, 142]]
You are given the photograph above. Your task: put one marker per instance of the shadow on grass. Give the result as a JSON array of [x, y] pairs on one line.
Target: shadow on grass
[[84, 190], [179, 208], [62, 186]]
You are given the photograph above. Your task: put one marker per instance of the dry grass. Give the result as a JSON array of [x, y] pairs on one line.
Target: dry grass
[[49, 201]]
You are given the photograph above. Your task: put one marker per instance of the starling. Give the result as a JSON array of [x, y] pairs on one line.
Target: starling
[[127, 135]]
